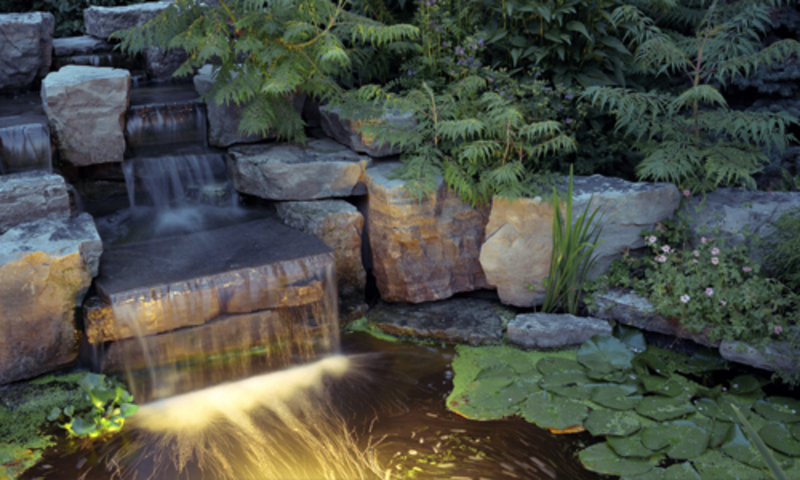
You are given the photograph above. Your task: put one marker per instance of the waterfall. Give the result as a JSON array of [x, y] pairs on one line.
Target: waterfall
[[24, 145]]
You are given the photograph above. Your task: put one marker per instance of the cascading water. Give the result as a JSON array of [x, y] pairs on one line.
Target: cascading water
[[24, 144]]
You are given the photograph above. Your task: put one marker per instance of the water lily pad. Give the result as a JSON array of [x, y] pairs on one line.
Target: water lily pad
[[568, 384], [714, 465], [602, 459], [744, 384], [630, 446], [655, 474], [741, 400], [664, 408], [737, 446], [779, 437], [612, 422], [502, 371], [552, 411], [704, 360], [710, 408], [551, 365], [682, 439], [681, 471], [719, 432], [632, 337], [647, 363], [779, 409], [795, 429], [615, 396], [669, 387], [605, 355]]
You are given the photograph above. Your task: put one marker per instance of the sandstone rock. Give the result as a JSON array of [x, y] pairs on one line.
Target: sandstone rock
[[85, 45], [456, 320], [629, 308], [340, 226], [224, 119], [422, 251], [546, 330], [282, 171], [27, 48], [46, 266], [775, 356], [518, 244], [86, 108], [101, 22], [346, 131], [29, 196], [736, 210]]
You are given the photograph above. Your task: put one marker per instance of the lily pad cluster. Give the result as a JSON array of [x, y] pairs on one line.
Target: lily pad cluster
[[656, 420]]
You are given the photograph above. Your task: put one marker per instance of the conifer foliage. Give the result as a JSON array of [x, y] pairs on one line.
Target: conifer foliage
[[266, 50], [692, 138]]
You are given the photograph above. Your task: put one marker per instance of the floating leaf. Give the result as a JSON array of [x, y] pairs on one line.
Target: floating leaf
[[502, 371], [715, 465], [615, 396], [82, 426], [655, 474], [551, 411], [779, 437], [568, 384], [648, 362], [682, 439], [550, 365], [719, 432], [744, 384], [711, 409], [602, 459], [681, 471], [630, 446], [779, 409], [704, 360], [605, 355], [632, 337], [612, 422], [742, 400], [795, 429], [664, 408], [737, 446]]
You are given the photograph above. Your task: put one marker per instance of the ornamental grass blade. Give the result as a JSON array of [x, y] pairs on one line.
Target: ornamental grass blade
[[772, 464]]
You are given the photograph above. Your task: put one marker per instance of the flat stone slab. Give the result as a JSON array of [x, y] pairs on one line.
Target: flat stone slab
[[176, 282], [29, 196], [101, 22], [346, 132], [283, 171], [548, 330], [775, 356], [628, 308], [455, 320], [84, 45]]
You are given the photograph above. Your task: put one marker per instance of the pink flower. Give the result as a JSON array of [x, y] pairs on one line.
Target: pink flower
[[661, 259], [685, 298], [687, 193], [715, 251], [747, 269], [665, 249], [723, 302], [702, 239], [696, 253], [694, 260], [715, 260], [778, 330], [651, 239], [709, 291]]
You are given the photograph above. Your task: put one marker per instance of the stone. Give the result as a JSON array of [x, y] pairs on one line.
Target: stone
[[29, 196], [25, 144], [282, 171], [27, 48], [548, 330], [46, 267], [340, 226], [736, 211], [86, 107], [171, 283], [422, 250], [345, 131], [628, 308], [224, 119], [518, 244], [84, 45], [102, 22], [475, 321], [160, 64], [775, 356]]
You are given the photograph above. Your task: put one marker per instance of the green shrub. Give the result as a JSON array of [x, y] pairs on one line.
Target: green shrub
[[781, 250]]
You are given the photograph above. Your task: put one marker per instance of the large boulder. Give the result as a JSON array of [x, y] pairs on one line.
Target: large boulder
[[422, 250], [27, 48], [102, 22], [46, 266], [86, 107], [224, 119], [340, 226], [282, 171], [547, 330], [160, 64], [516, 254], [29, 196], [346, 131]]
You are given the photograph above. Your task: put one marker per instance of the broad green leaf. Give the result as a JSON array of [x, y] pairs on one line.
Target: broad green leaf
[[630, 446], [615, 396], [91, 381], [737, 446], [778, 436], [82, 426], [779, 409], [711, 409], [744, 384], [646, 363], [681, 439], [550, 365], [69, 410], [605, 354], [128, 409], [612, 422], [719, 432], [504, 372], [795, 429], [681, 471], [54, 414], [664, 408], [579, 27], [568, 384], [632, 337], [552, 411], [715, 465], [602, 459]]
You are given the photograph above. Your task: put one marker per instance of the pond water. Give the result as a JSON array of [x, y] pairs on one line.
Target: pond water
[[384, 418]]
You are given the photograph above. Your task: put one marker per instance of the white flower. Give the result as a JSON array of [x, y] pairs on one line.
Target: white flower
[[709, 291], [685, 298]]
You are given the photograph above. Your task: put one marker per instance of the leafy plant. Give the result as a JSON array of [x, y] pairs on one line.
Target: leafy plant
[[692, 138], [264, 51], [572, 256], [781, 250], [111, 405], [774, 469]]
